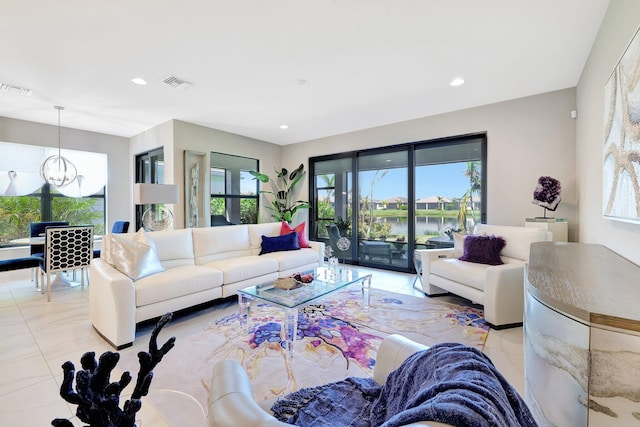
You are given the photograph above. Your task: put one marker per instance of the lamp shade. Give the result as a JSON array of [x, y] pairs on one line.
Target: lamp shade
[[151, 194]]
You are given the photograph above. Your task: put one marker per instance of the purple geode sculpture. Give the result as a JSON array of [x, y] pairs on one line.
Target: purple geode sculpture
[[97, 398], [547, 193]]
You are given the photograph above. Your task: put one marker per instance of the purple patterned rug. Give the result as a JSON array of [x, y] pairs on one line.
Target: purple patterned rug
[[336, 338]]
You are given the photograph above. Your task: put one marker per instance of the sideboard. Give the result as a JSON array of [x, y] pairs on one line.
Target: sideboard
[[582, 336]]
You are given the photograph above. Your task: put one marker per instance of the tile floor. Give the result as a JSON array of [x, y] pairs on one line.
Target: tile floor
[[36, 337]]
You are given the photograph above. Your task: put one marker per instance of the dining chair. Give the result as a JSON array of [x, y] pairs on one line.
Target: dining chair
[[119, 227], [36, 230], [67, 249]]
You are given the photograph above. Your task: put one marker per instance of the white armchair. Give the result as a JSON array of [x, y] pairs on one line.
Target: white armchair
[[499, 288], [231, 400]]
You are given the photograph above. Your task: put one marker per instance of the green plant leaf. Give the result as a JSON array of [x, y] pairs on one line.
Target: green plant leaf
[[260, 176], [295, 173]]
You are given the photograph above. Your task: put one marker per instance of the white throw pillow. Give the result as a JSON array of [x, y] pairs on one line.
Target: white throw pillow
[[137, 257], [458, 244]]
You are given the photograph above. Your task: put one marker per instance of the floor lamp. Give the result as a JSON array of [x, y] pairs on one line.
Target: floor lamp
[[157, 217]]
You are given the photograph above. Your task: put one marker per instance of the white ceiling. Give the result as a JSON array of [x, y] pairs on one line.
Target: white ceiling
[[323, 67]]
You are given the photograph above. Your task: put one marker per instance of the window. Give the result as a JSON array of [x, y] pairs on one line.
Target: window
[[26, 198], [234, 191], [406, 197], [149, 170]]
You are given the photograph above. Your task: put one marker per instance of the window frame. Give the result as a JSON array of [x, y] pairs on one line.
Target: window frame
[[229, 194]]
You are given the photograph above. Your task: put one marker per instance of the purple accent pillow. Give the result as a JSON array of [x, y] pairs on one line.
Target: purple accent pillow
[[483, 249], [286, 242]]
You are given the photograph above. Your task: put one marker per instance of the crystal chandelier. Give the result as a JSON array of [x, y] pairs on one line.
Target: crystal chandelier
[[58, 171]]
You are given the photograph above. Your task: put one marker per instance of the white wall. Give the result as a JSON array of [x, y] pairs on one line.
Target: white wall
[[527, 138], [617, 30], [154, 138], [116, 148], [188, 136]]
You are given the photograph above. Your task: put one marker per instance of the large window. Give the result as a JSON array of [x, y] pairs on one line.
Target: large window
[[234, 191], [26, 198], [149, 170], [390, 201]]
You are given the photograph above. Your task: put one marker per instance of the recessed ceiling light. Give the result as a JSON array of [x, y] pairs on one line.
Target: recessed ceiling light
[[139, 81], [284, 127], [458, 81]]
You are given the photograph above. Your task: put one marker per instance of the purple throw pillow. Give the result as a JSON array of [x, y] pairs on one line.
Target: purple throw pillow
[[483, 249], [287, 242]]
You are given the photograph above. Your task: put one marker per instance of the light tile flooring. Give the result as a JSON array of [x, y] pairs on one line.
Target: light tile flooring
[[37, 337]]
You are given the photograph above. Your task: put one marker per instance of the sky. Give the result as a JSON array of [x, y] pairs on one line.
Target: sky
[[447, 180]]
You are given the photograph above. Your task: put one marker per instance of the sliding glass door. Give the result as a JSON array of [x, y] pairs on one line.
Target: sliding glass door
[[448, 184], [389, 201], [383, 208], [332, 208]]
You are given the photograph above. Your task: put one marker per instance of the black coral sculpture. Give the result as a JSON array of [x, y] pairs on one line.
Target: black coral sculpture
[[97, 398]]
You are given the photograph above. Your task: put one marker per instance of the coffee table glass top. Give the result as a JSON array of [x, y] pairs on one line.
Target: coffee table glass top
[[325, 282]]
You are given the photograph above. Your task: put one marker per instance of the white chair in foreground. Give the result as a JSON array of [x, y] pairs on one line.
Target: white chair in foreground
[[231, 401]]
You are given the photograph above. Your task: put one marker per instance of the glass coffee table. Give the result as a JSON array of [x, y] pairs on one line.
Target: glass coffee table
[[326, 281]]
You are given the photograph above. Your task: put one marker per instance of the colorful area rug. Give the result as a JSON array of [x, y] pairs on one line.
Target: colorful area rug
[[337, 338]]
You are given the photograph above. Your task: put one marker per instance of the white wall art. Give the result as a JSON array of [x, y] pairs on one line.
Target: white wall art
[[621, 160]]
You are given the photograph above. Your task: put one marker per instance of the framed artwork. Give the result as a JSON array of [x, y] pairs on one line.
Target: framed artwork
[[194, 176], [621, 157]]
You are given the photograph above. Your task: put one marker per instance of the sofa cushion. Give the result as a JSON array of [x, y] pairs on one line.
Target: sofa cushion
[[287, 242], [468, 273], [300, 229], [243, 268], [256, 231], [136, 257], [176, 282], [483, 249], [519, 239], [294, 259], [215, 243], [175, 247]]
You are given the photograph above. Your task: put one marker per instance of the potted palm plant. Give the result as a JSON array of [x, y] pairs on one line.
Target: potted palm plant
[[283, 205]]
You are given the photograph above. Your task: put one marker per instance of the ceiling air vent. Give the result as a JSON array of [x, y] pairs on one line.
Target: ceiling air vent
[[177, 83], [15, 89]]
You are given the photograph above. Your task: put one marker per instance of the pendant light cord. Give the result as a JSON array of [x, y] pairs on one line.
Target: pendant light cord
[[57, 107]]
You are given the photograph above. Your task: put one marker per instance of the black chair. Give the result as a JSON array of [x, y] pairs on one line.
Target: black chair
[[119, 227], [37, 230], [217, 220]]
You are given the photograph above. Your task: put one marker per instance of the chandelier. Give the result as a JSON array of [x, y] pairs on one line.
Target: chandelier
[[58, 171]]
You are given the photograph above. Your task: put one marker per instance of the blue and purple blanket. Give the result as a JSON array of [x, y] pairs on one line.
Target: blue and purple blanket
[[449, 382]]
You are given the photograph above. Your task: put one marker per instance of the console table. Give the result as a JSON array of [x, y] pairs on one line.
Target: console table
[[582, 336]]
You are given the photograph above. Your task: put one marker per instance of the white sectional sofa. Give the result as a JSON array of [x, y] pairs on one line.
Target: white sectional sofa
[[499, 288], [201, 265]]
